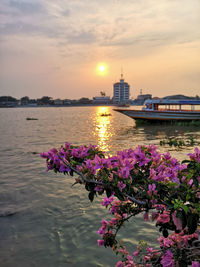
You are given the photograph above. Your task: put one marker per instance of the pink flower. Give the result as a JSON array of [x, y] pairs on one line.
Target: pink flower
[[163, 218], [146, 216], [107, 201], [177, 221], [113, 221], [147, 258], [140, 156], [98, 162], [136, 253], [125, 215], [100, 242], [121, 185], [64, 168], [167, 156], [151, 189], [101, 231], [44, 155], [165, 242], [130, 259], [190, 182], [119, 264], [196, 155], [167, 259], [154, 216], [195, 264], [90, 166], [104, 222], [99, 188], [183, 179], [110, 177], [124, 172]]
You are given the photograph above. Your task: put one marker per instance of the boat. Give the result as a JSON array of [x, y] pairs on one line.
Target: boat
[[31, 119], [105, 114], [156, 110]]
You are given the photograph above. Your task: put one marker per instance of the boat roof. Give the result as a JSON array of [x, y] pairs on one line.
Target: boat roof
[[172, 102]]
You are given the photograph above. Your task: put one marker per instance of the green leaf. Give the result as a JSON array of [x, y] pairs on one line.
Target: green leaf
[[176, 206], [165, 233], [91, 196], [185, 161], [183, 263], [195, 181], [119, 194], [192, 222], [185, 208], [181, 215], [108, 192]]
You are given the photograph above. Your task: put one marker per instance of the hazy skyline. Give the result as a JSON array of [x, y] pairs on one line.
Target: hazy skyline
[[53, 47]]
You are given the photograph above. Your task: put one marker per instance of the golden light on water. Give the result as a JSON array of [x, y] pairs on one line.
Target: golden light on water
[[103, 129]]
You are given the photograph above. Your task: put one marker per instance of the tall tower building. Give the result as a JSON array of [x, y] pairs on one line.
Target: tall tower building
[[121, 91]]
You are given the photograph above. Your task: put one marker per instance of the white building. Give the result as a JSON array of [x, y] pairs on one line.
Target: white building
[[58, 102], [121, 91], [101, 100]]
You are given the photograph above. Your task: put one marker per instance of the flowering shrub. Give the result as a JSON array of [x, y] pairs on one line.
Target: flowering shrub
[[140, 181]]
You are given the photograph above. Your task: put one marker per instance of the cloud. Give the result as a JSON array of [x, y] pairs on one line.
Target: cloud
[[26, 8], [81, 37], [65, 12], [21, 28], [111, 24]]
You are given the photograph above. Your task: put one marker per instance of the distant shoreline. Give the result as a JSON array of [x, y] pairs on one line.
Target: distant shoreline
[[61, 106]]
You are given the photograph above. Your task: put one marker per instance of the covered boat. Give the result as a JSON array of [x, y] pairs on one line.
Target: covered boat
[[165, 110]]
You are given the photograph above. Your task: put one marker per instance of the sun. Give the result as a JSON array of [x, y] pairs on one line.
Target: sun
[[102, 69]]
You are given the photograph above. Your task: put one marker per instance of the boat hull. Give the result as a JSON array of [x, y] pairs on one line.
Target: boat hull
[[161, 115]]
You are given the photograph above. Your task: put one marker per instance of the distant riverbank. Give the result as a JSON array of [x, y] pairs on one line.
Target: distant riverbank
[[61, 106]]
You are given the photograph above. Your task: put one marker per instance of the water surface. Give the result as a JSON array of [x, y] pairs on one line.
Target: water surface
[[55, 224]]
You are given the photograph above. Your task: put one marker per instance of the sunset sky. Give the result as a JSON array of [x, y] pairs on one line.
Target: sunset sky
[[55, 47]]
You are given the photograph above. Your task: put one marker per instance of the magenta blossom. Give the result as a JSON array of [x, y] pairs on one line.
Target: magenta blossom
[[119, 264], [195, 155], [163, 218], [177, 221], [107, 201], [121, 185], [124, 172], [167, 259], [195, 264], [146, 216], [100, 242]]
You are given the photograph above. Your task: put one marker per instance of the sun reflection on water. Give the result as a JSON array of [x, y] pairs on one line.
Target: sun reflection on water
[[103, 130]]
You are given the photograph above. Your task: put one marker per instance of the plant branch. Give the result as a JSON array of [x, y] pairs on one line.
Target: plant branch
[[134, 200], [79, 173]]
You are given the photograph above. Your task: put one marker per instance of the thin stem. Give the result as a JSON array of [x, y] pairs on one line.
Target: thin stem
[[79, 173], [134, 200]]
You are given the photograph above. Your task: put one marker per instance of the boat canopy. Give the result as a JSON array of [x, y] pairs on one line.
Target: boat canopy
[[171, 102]]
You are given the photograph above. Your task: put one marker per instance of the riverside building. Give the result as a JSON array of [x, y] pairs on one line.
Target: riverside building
[[121, 92], [101, 100]]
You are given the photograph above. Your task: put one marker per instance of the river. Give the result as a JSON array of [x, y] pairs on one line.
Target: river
[[54, 224]]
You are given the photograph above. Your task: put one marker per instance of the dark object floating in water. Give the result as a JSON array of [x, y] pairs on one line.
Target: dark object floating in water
[[105, 114], [31, 119], [7, 213]]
